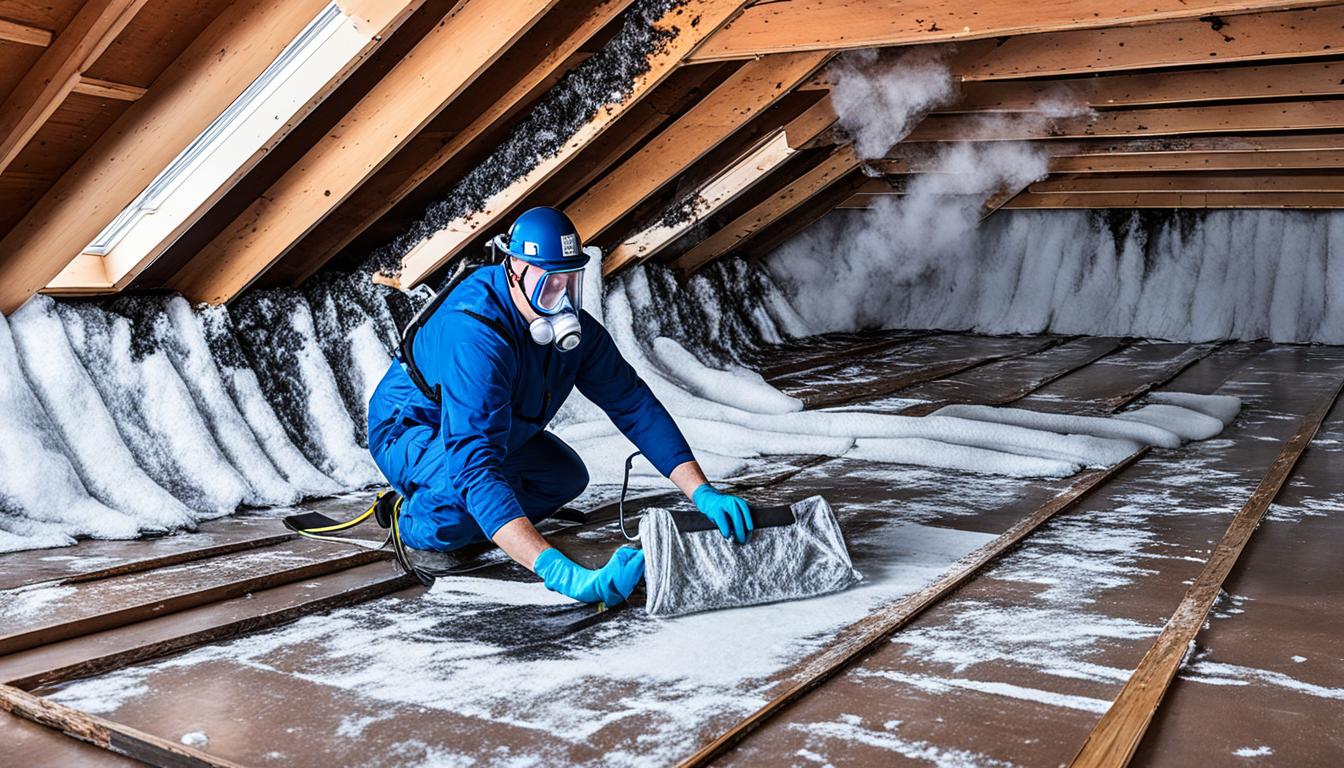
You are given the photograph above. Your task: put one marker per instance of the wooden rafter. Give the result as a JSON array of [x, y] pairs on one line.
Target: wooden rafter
[[1189, 182], [798, 25], [472, 36], [1282, 116], [1196, 41], [694, 21], [748, 170], [744, 95], [1027, 200], [1136, 154], [57, 72], [385, 190], [199, 85], [106, 89], [1165, 162], [835, 166], [24, 34], [1195, 86]]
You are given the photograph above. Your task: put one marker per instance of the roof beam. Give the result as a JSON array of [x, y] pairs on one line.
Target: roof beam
[[722, 112], [1028, 200], [694, 21], [57, 72], [1297, 80], [797, 25], [372, 201], [740, 176], [1127, 154], [1279, 117], [106, 89], [348, 35], [1305, 159], [24, 34], [1195, 41], [471, 37], [1188, 182], [197, 87], [789, 198]]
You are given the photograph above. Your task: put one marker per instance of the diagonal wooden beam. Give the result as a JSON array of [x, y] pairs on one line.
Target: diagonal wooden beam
[[197, 87], [372, 201], [797, 25], [693, 21], [1194, 86], [835, 166], [1304, 200], [1284, 116], [723, 111], [57, 72], [24, 34], [744, 173], [1195, 41], [472, 36], [1188, 182]]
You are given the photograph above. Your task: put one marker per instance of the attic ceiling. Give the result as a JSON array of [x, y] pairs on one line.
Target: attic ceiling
[[1189, 104]]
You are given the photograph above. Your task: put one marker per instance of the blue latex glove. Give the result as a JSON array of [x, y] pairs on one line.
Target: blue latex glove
[[728, 512], [610, 584]]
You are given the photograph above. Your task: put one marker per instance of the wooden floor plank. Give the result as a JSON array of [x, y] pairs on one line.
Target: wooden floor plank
[[1117, 735], [865, 635]]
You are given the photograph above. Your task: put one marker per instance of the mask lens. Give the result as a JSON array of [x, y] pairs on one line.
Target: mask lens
[[553, 287]]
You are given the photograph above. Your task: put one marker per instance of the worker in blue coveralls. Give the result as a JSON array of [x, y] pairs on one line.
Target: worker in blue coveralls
[[499, 355]]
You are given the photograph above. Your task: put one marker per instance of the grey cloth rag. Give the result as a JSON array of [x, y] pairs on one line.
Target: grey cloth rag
[[702, 571]]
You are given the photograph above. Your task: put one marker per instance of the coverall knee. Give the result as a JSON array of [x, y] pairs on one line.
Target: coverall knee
[[543, 472]]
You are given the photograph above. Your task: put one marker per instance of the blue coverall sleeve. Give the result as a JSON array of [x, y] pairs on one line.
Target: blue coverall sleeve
[[609, 381], [474, 375]]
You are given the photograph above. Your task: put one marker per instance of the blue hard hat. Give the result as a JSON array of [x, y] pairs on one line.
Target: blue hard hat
[[546, 238]]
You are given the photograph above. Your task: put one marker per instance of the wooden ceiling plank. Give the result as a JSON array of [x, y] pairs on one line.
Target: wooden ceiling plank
[[835, 166], [421, 85], [798, 25], [1188, 182], [695, 21], [363, 210], [1195, 41], [1271, 117], [56, 73], [24, 34], [1323, 200], [1199, 161], [1296, 80], [106, 89], [198, 86], [723, 111]]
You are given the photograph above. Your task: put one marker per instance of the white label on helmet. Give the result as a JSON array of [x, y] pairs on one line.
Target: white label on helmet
[[569, 245], [530, 248]]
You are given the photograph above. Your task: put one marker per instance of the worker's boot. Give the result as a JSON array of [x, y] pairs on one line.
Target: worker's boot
[[387, 506]]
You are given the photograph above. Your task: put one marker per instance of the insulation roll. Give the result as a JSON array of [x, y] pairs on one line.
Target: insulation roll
[[690, 567]]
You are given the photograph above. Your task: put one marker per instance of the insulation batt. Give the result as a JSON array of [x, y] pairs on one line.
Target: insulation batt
[[702, 571]]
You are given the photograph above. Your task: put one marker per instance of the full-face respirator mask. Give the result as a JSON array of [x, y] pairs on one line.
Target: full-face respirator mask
[[552, 276]]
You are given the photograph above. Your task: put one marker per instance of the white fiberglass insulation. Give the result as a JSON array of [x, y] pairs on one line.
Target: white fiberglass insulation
[[154, 413], [731, 412], [1248, 274], [97, 450]]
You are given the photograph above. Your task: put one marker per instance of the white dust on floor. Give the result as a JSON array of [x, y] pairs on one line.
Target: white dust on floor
[[667, 678]]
